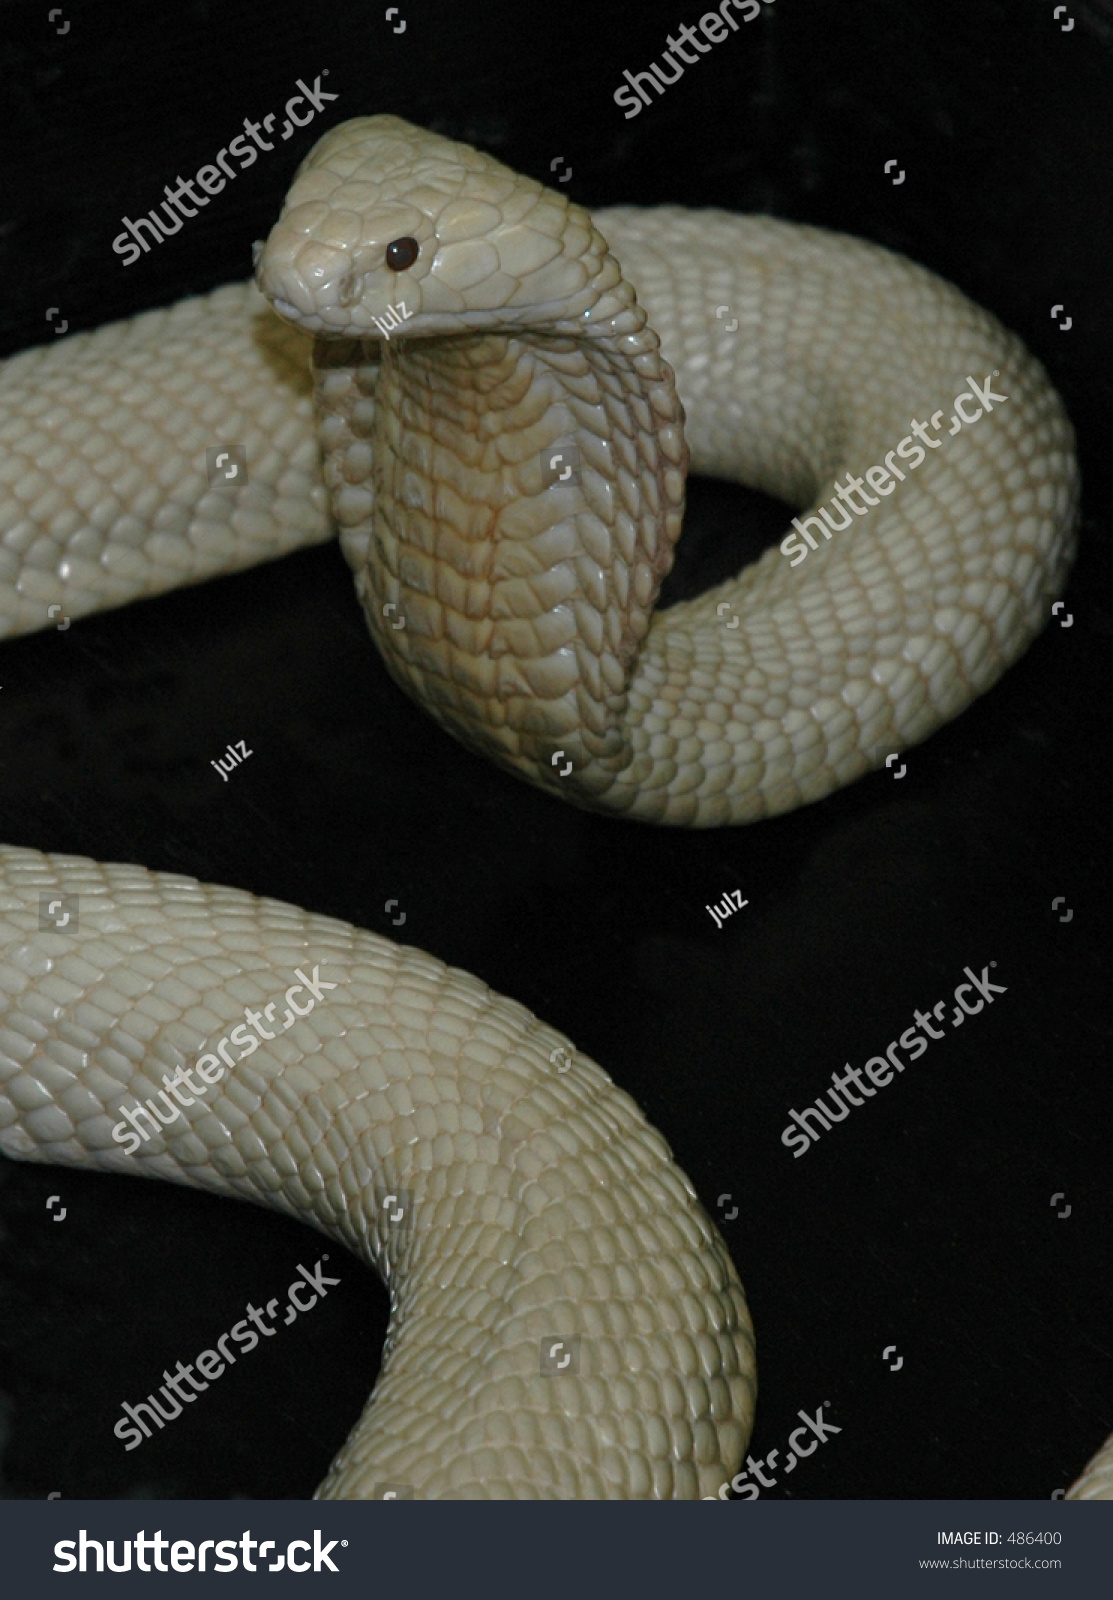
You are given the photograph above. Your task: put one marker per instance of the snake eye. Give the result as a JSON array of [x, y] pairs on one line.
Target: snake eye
[[401, 253]]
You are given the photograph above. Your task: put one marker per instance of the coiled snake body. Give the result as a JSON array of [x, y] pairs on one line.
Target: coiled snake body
[[471, 328]]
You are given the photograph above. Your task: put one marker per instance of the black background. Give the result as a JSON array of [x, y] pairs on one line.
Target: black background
[[926, 1222]]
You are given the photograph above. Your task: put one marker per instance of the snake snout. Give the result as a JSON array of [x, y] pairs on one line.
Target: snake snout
[[284, 287], [328, 290], [317, 284]]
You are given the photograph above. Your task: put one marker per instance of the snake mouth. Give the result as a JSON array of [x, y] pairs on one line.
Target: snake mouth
[[291, 313], [334, 320], [308, 323], [386, 328], [314, 323]]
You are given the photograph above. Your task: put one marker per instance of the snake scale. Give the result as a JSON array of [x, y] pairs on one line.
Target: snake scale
[[446, 330]]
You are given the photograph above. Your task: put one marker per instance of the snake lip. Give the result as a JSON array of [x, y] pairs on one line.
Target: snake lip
[[300, 319], [315, 323]]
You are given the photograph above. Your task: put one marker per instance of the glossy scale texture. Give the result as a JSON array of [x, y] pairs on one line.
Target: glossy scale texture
[[520, 612]]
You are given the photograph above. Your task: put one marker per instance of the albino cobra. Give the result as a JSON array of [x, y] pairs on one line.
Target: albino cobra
[[540, 1209]]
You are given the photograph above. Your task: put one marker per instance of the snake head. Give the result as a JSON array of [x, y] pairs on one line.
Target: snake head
[[382, 214]]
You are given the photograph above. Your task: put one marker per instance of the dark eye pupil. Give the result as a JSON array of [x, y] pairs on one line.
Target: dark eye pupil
[[401, 253]]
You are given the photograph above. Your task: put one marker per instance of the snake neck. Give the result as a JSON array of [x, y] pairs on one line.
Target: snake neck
[[509, 591]]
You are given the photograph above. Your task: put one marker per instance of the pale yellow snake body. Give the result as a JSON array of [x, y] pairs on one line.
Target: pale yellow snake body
[[507, 471]]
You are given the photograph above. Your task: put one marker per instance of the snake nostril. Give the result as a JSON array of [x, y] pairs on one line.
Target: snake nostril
[[401, 253], [350, 289]]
